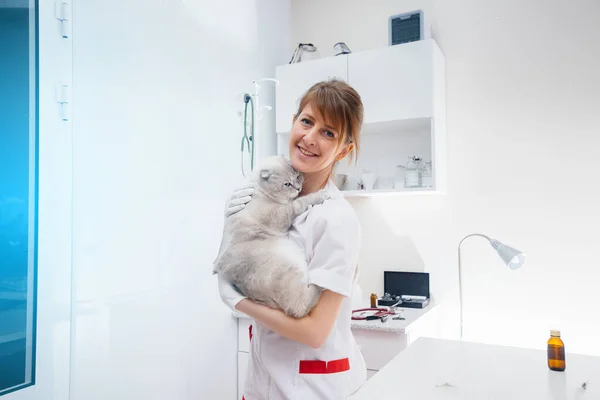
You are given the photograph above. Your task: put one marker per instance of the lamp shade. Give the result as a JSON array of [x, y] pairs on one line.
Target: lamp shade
[[513, 258]]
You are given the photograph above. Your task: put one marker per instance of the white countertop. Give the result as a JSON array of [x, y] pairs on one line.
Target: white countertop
[[391, 325], [436, 369]]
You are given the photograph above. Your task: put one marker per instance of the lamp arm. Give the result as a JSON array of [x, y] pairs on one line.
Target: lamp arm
[[473, 234], [460, 280]]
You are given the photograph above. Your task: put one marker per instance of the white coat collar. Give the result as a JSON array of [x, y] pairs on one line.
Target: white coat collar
[[333, 190]]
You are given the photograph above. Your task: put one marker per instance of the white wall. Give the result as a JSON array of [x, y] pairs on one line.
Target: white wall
[[156, 152], [523, 95]]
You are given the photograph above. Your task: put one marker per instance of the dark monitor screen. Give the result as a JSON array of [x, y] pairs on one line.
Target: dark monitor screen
[[399, 283]]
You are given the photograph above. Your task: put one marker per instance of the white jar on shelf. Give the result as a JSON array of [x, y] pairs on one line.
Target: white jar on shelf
[[368, 179], [427, 175], [399, 177], [412, 173]]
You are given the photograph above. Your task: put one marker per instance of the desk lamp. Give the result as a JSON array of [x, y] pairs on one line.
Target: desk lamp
[[513, 259]]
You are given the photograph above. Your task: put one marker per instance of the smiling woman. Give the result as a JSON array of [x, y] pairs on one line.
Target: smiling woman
[[325, 130], [315, 356], [18, 195]]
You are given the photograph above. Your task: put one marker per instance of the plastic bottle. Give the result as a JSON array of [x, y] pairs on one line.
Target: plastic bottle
[[427, 174], [373, 300], [412, 172], [399, 177], [556, 352]]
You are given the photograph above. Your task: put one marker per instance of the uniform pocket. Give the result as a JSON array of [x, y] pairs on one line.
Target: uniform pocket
[[324, 379], [324, 367]]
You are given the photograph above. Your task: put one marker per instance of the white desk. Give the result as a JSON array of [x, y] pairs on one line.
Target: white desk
[[473, 371]]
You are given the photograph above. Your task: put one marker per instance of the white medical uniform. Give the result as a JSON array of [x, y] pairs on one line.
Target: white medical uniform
[[282, 369]]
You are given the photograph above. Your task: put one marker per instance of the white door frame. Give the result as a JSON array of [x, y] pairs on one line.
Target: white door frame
[[54, 328]]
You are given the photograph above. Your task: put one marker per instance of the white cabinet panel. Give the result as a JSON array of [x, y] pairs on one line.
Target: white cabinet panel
[[243, 359], [378, 348], [296, 79], [370, 373], [394, 82], [244, 334]]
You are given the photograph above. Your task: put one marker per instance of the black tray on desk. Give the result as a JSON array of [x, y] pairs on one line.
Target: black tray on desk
[[405, 303]]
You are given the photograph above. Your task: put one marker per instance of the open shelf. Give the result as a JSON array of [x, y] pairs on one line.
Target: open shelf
[[389, 192], [397, 126], [384, 146]]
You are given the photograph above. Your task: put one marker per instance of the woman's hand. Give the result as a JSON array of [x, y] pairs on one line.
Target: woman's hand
[[229, 295], [311, 330], [238, 199]]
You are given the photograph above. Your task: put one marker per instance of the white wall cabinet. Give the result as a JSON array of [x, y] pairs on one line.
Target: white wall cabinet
[[295, 79], [403, 92], [396, 82]]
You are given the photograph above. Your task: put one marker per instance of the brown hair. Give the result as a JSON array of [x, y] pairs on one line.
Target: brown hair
[[340, 106]]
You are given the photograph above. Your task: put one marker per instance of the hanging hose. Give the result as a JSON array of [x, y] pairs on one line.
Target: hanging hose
[[249, 140]]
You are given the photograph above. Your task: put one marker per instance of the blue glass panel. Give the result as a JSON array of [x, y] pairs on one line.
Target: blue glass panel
[[18, 193]]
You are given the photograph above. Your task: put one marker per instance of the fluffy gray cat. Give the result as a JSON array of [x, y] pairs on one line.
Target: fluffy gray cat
[[256, 254]]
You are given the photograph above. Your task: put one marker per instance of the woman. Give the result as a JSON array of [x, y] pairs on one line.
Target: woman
[[314, 357]]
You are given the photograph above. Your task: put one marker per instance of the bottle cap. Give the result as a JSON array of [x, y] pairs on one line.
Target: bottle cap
[[554, 332]]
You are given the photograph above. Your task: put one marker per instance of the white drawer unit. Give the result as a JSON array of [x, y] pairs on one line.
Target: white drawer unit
[[243, 358], [244, 334], [378, 348]]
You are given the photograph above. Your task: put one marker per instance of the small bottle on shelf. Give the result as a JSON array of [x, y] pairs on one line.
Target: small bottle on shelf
[[427, 175], [399, 177], [556, 352], [412, 172], [373, 300]]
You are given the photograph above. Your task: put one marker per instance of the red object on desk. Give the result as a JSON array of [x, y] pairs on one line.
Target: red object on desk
[[370, 312]]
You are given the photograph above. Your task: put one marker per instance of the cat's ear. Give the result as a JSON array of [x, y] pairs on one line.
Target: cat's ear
[[265, 174]]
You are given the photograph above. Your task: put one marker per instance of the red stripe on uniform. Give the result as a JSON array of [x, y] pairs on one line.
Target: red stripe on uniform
[[324, 367], [249, 334]]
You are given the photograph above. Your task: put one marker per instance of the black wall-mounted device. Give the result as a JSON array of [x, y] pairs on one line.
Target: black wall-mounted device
[[405, 28]]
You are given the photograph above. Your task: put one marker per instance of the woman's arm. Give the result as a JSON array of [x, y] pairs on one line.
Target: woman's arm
[[311, 330]]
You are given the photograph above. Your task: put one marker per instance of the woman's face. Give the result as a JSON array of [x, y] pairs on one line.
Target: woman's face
[[314, 144]]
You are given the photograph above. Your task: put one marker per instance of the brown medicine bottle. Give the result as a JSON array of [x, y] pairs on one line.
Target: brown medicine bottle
[[556, 352], [373, 300]]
